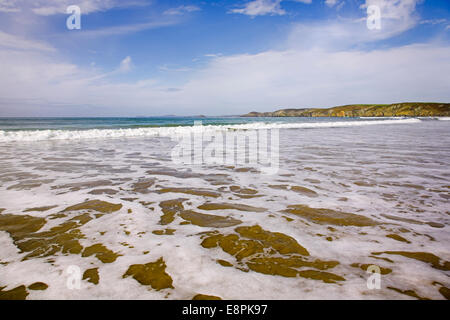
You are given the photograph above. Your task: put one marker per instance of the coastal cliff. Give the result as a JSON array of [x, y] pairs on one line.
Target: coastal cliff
[[365, 110]]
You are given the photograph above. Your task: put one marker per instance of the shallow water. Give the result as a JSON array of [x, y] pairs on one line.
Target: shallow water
[[139, 226]]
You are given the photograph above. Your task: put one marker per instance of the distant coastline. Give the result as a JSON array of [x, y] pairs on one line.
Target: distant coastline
[[406, 109]]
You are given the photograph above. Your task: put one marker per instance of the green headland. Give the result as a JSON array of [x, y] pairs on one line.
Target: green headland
[[406, 109]]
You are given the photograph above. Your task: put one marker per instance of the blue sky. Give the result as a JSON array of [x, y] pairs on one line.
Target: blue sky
[[153, 57]]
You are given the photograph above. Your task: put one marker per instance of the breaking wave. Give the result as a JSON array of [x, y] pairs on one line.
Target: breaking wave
[[40, 135]]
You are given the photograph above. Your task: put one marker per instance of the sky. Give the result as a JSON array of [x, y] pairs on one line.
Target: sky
[[217, 57]]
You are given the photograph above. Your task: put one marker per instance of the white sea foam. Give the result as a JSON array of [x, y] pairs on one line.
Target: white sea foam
[[40, 135], [383, 118], [404, 170]]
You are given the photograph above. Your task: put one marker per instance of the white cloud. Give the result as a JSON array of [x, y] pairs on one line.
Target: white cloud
[[174, 69], [51, 7], [35, 83], [334, 35], [434, 21], [126, 64], [181, 10], [302, 1], [297, 78], [330, 3], [129, 28], [261, 8], [212, 55], [264, 7], [8, 6], [397, 16], [15, 42], [396, 12]]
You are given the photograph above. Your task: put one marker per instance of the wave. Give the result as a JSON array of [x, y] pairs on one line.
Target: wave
[[40, 135]]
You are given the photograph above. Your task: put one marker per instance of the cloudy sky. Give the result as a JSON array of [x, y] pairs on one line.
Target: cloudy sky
[[218, 57]]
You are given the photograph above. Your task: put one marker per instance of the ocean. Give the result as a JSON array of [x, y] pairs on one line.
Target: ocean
[[89, 205]]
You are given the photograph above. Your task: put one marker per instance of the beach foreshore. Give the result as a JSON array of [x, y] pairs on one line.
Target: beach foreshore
[[116, 218]]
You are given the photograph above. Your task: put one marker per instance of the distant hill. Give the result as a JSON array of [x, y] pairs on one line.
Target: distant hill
[[407, 109]]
